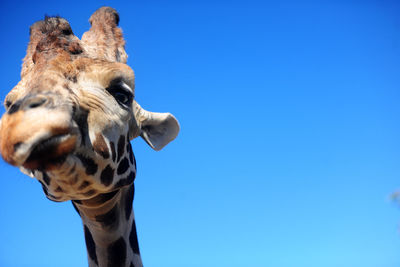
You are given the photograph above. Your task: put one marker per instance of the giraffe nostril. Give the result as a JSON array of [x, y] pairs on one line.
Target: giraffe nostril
[[28, 102], [17, 145], [35, 102]]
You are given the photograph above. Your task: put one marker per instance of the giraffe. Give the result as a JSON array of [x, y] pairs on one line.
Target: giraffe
[[69, 122]]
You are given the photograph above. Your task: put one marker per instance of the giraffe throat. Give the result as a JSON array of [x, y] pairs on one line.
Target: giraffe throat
[[110, 229]]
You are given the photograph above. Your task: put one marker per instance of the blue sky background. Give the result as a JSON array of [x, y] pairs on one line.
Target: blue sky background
[[289, 148]]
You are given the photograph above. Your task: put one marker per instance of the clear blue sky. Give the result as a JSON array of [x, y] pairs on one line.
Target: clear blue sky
[[290, 140]]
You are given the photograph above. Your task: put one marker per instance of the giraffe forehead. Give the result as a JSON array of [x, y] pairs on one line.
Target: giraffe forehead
[[104, 72], [84, 70], [66, 77]]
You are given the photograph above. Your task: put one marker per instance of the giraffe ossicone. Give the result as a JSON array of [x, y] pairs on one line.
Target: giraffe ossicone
[[69, 123]]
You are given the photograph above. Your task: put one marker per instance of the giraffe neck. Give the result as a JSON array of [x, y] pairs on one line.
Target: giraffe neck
[[110, 230]]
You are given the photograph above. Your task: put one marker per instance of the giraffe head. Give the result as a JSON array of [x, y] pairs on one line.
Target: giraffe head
[[70, 119]]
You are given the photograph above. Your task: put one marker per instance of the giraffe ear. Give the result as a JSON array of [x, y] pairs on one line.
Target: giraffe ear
[[157, 129]]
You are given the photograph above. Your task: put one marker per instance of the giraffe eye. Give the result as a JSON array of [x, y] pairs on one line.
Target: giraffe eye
[[122, 98], [122, 94]]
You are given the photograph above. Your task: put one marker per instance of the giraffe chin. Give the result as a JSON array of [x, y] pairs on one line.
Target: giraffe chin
[[51, 153]]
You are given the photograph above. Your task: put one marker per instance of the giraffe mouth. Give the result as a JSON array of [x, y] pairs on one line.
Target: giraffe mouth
[[51, 152]]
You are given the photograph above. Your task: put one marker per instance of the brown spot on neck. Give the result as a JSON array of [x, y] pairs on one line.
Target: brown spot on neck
[[100, 146]]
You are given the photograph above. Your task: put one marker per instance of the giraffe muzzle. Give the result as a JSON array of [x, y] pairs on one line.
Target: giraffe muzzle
[[33, 137]]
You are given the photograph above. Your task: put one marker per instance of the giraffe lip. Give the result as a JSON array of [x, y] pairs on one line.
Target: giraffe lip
[[50, 151]]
